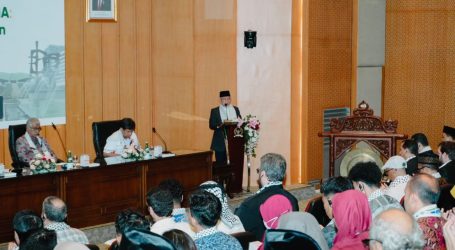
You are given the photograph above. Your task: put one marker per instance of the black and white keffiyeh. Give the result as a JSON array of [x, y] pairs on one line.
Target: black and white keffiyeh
[[226, 214]]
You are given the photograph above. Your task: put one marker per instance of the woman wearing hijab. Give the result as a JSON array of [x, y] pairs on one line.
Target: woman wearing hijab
[[352, 215], [271, 210], [229, 223], [305, 223]]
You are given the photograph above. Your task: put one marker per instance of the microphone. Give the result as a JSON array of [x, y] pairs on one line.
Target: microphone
[[226, 109], [162, 140], [59, 137]]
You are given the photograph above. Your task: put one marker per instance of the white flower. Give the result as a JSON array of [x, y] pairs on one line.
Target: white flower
[[37, 162], [39, 156], [124, 155], [53, 160], [32, 167], [46, 166]]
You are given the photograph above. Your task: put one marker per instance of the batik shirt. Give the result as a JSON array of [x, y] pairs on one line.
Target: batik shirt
[[26, 153], [211, 238]]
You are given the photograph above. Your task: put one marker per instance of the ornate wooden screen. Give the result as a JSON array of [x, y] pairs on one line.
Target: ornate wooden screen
[[361, 126]]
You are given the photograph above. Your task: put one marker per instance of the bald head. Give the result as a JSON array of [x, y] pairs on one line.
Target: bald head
[[425, 187], [54, 209], [395, 229]]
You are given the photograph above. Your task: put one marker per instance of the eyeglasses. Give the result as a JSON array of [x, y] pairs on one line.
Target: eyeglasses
[[387, 171], [258, 170], [36, 128], [366, 242]]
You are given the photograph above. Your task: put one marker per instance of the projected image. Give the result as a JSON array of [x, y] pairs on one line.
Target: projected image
[[32, 69]]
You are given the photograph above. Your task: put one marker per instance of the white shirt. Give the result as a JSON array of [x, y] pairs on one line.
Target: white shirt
[[228, 113], [397, 186], [425, 149], [168, 224], [117, 144]]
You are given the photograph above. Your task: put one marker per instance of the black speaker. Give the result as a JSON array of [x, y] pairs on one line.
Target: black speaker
[[250, 39]]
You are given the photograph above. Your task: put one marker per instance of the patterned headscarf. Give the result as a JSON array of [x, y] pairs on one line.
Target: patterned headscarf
[[226, 214]]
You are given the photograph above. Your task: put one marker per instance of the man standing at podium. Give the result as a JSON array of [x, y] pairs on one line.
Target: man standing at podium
[[225, 112]]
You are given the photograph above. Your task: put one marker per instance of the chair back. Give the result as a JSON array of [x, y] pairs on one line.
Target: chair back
[[278, 239], [244, 238], [446, 200], [14, 132], [315, 207], [101, 131]]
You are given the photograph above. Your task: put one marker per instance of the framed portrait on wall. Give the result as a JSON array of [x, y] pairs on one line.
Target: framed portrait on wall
[[101, 10]]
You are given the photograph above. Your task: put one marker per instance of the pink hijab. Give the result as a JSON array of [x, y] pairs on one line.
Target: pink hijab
[[352, 215], [271, 210]]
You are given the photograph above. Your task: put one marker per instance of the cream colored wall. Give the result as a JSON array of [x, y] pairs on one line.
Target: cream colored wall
[[264, 73]]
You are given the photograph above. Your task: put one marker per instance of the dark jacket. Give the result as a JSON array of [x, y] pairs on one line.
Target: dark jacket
[[214, 122], [250, 215], [412, 168], [448, 172], [428, 153]]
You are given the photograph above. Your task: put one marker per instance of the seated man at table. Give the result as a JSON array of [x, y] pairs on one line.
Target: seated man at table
[[122, 139], [31, 143]]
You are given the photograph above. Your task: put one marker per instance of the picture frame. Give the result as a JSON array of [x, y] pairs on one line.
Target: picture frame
[[101, 10]]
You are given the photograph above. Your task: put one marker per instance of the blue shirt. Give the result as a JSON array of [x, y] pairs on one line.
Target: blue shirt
[[216, 240]]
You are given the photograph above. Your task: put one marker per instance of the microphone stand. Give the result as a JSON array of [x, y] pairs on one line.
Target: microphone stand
[[59, 137], [162, 140], [226, 143]]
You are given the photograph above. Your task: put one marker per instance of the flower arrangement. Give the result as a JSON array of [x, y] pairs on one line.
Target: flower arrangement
[[133, 153], [43, 164], [251, 126]]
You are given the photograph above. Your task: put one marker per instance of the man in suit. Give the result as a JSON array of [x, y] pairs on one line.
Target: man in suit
[[409, 151], [422, 144], [271, 175], [225, 112], [446, 152]]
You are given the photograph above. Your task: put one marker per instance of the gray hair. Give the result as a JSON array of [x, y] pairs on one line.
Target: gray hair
[[274, 166], [383, 231], [31, 121], [53, 212]]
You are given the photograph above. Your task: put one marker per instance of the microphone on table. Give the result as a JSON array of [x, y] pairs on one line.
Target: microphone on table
[[59, 137], [162, 140]]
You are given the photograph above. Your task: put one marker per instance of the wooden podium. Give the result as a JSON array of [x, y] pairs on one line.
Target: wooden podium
[[235, 154]]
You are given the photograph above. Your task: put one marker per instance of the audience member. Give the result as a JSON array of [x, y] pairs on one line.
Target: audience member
[[449, 233], [71, 246], [176, 189], [54, 215], [230, 223], [409, 151], [272, 209], [180, 239], [446, 152], [271, 174], [352, 215], [305, 223], [128, 219], [448, 133], [430, 165], [140, 239], [366, 177], [205, 211], [160, 205], [424, 148], [31, 143], [421, 196], [394, 229], [395, 170], [25, 222], [42, 239], [329, 188], [122, 139]]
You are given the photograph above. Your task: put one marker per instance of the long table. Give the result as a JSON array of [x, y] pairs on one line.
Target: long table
[[96, 195]]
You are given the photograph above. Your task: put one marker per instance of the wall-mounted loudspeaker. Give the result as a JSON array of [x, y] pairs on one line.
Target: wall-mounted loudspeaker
[[250, 39]]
